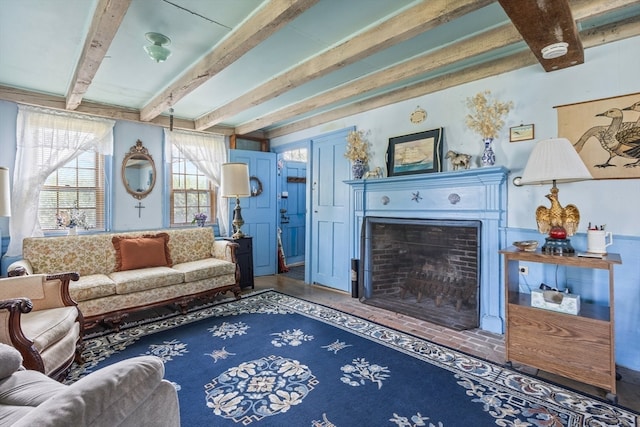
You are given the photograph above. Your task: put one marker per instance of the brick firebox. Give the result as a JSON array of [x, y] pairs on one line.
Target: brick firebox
[[427, 269]]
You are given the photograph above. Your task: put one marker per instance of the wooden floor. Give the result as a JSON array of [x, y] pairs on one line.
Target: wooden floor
[[479, 343]]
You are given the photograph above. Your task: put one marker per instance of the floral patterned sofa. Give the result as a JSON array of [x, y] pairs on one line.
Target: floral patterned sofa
[[125, 272]]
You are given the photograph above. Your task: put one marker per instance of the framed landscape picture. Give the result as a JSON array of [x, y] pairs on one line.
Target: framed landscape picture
[[415, 153], [521, 133]]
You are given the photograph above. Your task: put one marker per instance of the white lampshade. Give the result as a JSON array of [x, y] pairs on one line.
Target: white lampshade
[[5, 192], [554, 159], [235, 180]]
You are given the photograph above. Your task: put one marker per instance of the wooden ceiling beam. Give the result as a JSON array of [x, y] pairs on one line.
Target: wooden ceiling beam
[[476, 72], [401, 27], [105, 23], [620, 30], [591, 38], [583, 10], [260, 26], [546, 22], [587, 9], [26, 97], [473, 46]]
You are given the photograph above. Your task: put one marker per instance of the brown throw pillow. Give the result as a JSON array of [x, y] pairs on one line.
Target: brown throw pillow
[[150, 250]]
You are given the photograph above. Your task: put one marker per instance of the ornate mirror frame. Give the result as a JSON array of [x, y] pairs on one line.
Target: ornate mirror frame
[[138, 165]]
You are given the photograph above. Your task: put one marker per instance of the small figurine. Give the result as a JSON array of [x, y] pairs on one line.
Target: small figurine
[[374, 173], [458, 159]]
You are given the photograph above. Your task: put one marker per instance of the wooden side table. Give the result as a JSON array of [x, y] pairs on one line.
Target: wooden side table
[[580, 347], [244, 256]]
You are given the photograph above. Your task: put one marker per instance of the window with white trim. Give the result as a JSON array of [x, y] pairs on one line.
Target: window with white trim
[[77, 186], [191, 192]]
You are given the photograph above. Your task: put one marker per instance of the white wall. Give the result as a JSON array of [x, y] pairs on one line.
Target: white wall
[[609, 70]]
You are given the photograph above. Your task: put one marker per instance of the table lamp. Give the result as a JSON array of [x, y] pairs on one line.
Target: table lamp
[[551, 161], [235, 183]]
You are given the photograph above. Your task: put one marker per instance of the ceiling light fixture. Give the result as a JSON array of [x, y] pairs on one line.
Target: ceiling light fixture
[[555, 50], [157, 51]]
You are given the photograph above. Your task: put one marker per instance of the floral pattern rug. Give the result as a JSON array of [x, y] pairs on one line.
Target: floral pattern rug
[[274, 360]]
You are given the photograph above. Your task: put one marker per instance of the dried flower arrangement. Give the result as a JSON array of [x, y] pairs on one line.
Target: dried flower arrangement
[[73, 218], [357, 146], [486, 117]]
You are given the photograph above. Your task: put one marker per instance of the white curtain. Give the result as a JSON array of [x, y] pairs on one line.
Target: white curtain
[[46, 141], [208, 152]]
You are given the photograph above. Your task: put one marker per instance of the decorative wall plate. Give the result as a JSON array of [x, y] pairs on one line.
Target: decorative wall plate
[[418, 116]]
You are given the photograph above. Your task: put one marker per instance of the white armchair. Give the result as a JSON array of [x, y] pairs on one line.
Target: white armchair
[[129, 393], [39, 318]]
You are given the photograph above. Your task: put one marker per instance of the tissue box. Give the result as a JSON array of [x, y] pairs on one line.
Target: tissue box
[[556, 301]]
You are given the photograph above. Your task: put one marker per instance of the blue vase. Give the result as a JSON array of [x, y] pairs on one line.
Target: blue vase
[[357, 169], [488, 156]]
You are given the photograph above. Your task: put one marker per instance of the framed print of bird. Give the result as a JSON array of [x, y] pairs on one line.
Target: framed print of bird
[[606, 134]]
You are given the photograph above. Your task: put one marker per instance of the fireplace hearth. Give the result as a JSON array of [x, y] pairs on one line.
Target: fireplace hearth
[[427, 269], [427, 272]]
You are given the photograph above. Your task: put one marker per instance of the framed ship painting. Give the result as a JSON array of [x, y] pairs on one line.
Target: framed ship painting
[[415, 153], [605, 133]]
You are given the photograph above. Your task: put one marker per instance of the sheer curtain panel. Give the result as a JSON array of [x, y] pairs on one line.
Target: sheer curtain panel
[[46, 140], [208, 152]]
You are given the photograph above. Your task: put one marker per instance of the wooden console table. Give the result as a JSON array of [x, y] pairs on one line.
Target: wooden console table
[[580, 347]]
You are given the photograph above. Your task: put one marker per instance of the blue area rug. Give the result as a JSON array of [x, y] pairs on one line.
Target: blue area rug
[[274, 360]]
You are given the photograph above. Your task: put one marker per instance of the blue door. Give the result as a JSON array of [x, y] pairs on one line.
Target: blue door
[[292, 216], [329, 245], [259, 212]]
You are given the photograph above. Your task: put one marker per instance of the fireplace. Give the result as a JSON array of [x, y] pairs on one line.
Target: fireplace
[[447, 204], [427, 269]]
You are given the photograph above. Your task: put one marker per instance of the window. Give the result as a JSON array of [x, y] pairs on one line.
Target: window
[[79, 184], [48, 140], [297, 155], [191, 191]]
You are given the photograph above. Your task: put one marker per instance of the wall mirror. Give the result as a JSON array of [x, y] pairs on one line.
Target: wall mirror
[[138, 171]]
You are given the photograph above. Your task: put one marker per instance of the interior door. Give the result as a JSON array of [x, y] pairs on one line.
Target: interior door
[[259, 212], [293, 211], [329, 247]]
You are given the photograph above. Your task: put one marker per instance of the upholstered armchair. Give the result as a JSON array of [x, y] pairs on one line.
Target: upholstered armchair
[[129, 393], [39, 318]]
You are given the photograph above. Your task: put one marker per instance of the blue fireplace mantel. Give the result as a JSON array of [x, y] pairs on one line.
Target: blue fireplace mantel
[[474, 194]]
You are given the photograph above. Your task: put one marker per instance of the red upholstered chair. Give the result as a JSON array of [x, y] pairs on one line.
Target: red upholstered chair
[[39, 318]]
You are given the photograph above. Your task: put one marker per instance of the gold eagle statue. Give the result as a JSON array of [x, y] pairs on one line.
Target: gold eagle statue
[[557, 216]]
